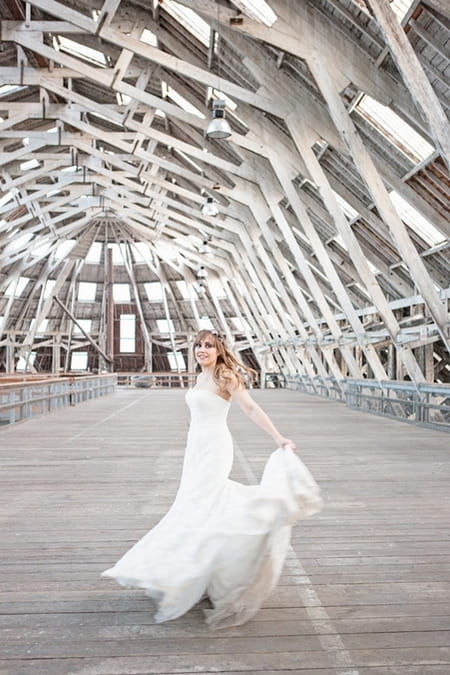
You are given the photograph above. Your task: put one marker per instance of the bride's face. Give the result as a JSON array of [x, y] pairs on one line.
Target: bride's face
[[205, 351]]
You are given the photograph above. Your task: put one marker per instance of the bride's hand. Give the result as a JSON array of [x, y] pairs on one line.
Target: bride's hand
[[286, 443]]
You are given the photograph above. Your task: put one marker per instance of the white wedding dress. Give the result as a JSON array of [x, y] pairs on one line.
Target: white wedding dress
[[220, 538]]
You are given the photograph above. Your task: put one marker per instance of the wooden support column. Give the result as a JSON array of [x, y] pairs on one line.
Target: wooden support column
[[56, 353], [413, 75], [109, 309], [10, 362]]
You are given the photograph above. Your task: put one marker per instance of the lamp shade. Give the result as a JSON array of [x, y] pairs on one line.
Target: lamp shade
[[218, 126], [209, 208]]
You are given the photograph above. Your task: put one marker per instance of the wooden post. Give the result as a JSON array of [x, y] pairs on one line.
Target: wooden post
[[109, 319]]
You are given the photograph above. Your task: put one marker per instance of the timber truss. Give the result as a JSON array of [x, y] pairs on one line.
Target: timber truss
[[330, 253]]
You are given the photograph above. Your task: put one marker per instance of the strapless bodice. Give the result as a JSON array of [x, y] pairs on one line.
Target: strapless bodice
[[207, 407]]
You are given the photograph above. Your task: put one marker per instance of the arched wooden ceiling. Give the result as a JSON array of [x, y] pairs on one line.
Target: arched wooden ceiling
[[331, 247]]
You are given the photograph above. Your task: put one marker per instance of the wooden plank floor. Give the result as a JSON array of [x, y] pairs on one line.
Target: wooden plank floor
[[366, 589]]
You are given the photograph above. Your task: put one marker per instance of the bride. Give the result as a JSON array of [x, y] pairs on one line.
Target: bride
[[221, 539]]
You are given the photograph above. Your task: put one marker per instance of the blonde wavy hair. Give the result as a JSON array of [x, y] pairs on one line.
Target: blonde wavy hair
[[229, 372]]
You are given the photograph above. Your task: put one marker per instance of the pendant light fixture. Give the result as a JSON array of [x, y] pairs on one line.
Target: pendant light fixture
[[209, 208], [218, 127]]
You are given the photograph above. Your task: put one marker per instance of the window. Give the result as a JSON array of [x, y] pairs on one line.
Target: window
[[416, 221], [22, 362], [127, 342], [187, 290], [190, 20], [95, 253], [29, 164], [176, 361], [205, 323], [85, 325], [216, 288], [42, 326], [119, 252], [49, 288], [141, 252], [257, 9], [64, 248], [121, 293], [154, 291], [86, 291], [69, 46], [79, 361], [394, 129], [165, 325], [172, 94]]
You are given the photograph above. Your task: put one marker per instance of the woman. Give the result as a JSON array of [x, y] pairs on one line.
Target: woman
[[220, 538]]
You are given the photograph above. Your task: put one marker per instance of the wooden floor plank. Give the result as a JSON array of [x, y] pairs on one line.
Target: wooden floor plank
[[366, 587]]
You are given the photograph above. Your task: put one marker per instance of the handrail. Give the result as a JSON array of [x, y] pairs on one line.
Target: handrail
[[424, 404], [23, 400]]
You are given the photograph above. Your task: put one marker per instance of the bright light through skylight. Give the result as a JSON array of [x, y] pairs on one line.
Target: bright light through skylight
[[76, 49], [183, 103], [149, 37], [401, 7], [416, 221], [258, 10], [29, 164], [205, 323], [189, 19], [395, 129]]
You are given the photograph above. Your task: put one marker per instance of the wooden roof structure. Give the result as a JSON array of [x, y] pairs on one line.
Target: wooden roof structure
[[330, 254]]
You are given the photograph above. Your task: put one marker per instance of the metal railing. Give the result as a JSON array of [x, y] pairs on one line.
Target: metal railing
[[23, 400], [424, 404], [156, 380]]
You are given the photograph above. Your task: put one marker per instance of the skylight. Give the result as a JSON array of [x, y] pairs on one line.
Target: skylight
[[176, 361], [205, 323], [50, 284], [349, 211], [181, 101], [401, 7], [394, 129], [154, 291], [85, 325], [79, 361], [64, 248], [119, 252], [187, 290], [165, 325], [42, 325], [149, 37], [95, 253], [73, 48], [9, 89], [217, 288], [141, 252], [416, 221], [121, 293], [86, 291], [190, 20], [29, 164], [258, 10]]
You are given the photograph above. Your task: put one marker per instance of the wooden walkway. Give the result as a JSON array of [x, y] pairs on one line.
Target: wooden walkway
[[366, 589]]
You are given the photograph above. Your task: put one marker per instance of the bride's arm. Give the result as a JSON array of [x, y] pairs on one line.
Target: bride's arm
[[259, 417]]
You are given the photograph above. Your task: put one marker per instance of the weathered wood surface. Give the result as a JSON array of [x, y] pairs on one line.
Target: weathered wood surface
[[366, 588]]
